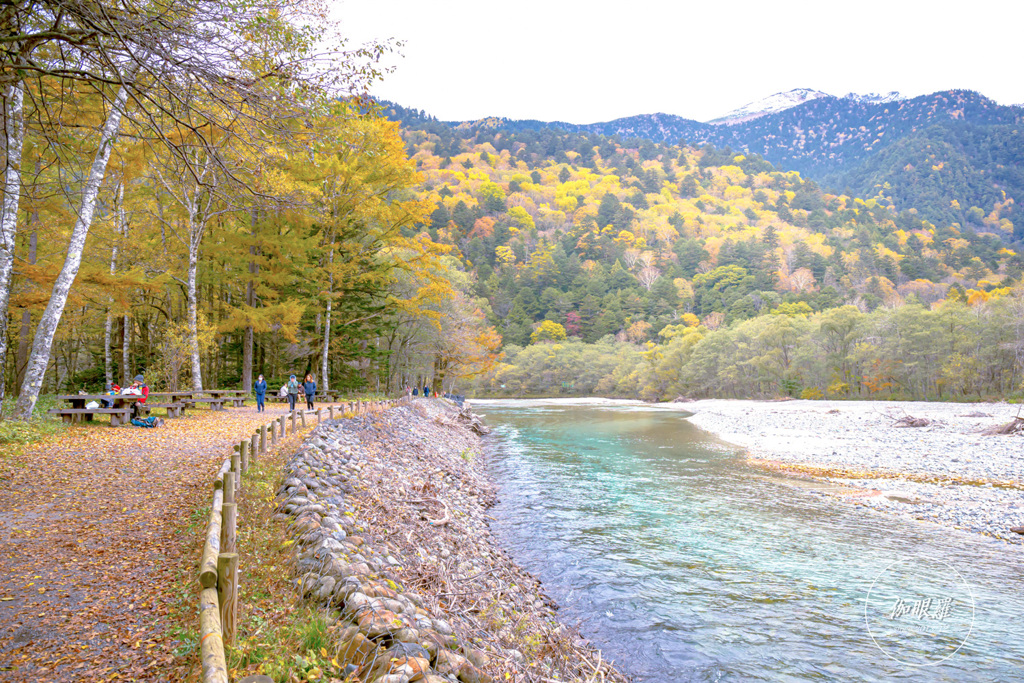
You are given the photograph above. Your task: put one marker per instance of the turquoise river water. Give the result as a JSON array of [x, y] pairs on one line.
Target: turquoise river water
[[682, 563]]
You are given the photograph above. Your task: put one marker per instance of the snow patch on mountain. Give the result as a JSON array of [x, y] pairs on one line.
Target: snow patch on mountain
[[787, 100], [875, 98], [780, 101]]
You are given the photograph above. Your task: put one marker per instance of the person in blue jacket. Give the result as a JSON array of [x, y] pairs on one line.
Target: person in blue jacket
[[309, 386], [261, 393]]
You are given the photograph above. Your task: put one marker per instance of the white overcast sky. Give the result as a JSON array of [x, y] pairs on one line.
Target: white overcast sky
[[585, 62]]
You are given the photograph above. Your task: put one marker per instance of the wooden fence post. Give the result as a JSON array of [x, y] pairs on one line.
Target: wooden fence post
[[263, 439], [243, 454], [330, 411], [254, 446], [235, 467], [227, 594], [229, 487], [228, 527], [273, 433], [293, 421], [318, 417], [283, 418], [302, 417]]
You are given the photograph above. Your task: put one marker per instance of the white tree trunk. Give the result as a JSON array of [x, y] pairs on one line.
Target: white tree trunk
[[14, 133], [193, 315], [324, 377], [25, 333], [43, 342], [126, 345], [108, 357]]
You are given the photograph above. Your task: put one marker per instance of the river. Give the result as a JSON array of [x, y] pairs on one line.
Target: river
[[682, 563]]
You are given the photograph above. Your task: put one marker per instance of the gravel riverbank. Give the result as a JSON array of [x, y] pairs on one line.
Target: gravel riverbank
[[945, 472], [388, 512]]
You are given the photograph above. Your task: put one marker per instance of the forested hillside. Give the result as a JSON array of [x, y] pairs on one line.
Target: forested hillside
[[954, 156], [634, 255]]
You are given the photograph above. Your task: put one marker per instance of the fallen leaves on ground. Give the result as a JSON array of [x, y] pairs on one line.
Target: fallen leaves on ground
[[91, 523]]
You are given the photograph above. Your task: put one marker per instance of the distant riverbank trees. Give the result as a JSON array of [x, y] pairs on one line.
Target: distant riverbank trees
[[953, 351]]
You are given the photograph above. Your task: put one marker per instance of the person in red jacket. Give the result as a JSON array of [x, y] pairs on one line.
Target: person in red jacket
[[137, 388]]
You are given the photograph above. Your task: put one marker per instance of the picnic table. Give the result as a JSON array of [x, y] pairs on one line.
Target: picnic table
[[175, 404], [120, 410], [236, 396]]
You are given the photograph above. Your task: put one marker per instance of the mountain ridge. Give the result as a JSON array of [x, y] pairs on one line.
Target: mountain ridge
[[944, 154]]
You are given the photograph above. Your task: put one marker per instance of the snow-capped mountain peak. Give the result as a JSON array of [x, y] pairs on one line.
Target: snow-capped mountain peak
[[769, 105], [787, 100]]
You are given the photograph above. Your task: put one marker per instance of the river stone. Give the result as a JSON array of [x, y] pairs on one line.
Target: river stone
[[470, 674], [357, 650], [325, 589], [379, 623], [447, 662], [331, 545], [477, 657], [393, 678], [408, 649], [407, 635], [360, 568], [442, 627]]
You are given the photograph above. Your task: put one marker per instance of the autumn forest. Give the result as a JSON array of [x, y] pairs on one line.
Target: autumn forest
[[206, 218]]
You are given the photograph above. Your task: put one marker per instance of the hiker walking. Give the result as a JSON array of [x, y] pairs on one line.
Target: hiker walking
[[309, 386], [261, 393]]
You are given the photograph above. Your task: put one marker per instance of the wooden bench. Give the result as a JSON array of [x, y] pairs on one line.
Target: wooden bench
[[118, 416], [173, 409], [237, 401], [215, 403]]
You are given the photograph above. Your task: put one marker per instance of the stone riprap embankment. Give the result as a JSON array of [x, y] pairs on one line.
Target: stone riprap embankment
[[946, 471], [388, 515]]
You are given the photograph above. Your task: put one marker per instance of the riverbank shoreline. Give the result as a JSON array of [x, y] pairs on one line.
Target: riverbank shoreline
[[945, 471], [388, 512]]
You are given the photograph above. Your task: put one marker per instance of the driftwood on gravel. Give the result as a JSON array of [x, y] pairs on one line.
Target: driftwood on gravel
[[1014, 426], [910, 421]]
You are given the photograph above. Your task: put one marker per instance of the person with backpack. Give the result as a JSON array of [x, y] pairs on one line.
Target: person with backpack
[[293, 392], [261, 393], [309, 386]]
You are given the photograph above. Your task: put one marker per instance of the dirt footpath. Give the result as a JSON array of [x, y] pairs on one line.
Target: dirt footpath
[[90, 528]]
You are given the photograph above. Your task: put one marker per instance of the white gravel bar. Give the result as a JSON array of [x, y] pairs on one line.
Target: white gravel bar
[[918, 472]]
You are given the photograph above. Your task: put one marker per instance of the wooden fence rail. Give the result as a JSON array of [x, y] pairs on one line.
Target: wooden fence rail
[[218, 568]]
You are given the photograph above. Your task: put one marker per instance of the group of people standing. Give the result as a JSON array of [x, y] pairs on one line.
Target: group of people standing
[[291, 390], [416, 392]]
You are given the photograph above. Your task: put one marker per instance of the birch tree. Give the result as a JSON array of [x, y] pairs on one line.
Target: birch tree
[[43, 342], [14, 136]]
